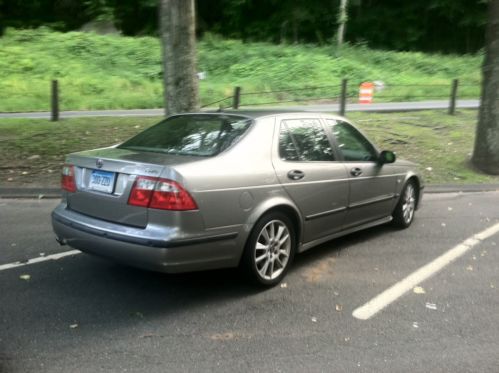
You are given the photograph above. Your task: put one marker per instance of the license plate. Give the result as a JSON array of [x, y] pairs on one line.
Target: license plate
[[102, 181]]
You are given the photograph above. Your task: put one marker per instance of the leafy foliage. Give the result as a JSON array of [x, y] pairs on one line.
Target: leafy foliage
[[430, 25], [110, 72]]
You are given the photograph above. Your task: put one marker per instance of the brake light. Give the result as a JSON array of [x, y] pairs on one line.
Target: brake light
[[160, 194], [68, 182], [142, 190]]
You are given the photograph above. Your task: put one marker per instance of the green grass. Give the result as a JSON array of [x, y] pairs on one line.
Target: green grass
[[111, 72], [32, 150]]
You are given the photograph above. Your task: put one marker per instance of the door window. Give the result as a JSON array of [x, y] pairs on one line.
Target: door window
[[304, 140], [351, 143]]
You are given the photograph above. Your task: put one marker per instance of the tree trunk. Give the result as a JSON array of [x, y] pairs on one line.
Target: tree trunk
[[178, 40], [342, 20], [486, 151]]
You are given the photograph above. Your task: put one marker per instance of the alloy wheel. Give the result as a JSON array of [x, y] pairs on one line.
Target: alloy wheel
[[272, 250], [409, 203]]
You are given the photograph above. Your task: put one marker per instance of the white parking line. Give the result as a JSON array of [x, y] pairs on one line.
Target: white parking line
[[40, 259], [391, 294]]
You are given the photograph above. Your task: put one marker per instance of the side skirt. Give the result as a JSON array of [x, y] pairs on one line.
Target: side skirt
[[309, 245]]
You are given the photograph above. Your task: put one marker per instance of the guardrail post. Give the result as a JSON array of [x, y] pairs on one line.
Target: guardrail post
[[54, 105], [343, 97], [453, 97], [236, 99]]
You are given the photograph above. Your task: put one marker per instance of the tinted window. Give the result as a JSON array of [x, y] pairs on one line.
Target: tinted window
[[304, 140], [352, 144], [200, 135]]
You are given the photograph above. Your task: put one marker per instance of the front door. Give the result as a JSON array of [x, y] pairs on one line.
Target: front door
[[372, 185]]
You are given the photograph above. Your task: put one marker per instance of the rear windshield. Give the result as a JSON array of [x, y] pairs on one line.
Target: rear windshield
[[198, 135]]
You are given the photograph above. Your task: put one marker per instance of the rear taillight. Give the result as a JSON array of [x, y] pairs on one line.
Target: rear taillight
[[68, 182], [160, 194], [142, 191]]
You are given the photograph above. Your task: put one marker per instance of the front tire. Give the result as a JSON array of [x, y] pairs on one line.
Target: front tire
[[270, 249], [403, 215]]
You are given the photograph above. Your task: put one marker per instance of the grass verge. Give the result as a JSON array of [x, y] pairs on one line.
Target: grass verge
[[32, 150], [115, 72]]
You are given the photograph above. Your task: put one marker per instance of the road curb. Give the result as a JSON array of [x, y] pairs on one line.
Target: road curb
[[50, 193]]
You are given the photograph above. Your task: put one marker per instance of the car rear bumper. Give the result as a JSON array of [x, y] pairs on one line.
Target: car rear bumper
[[170, 253]]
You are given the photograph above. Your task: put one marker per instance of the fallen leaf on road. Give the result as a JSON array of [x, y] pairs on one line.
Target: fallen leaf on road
[[419, 290], [431, 306], [223, 337], [25, 277]]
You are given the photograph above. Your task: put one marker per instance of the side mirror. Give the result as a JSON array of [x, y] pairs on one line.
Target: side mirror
[[386, 156]]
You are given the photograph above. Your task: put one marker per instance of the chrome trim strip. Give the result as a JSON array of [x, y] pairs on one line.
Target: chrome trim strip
[[372, 201], [325, 213]]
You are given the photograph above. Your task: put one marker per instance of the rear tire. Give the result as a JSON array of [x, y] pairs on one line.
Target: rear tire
[[403, 214], [270, 249]]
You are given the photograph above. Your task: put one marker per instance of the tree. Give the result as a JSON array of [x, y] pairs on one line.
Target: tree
[[342, 21], [178, 39], [486, 151]]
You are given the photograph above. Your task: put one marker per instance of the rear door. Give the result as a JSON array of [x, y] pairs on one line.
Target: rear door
[[372, 186], [307, 167]]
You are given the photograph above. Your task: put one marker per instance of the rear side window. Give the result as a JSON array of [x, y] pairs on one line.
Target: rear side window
[[197, 135], [304, 140]]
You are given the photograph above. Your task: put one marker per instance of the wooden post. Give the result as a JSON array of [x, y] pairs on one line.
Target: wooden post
[[236, 99], [343, 97], [54, 107], [453, 97]]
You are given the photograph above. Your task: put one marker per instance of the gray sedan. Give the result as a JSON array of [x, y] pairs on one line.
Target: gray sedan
[[211, 190]]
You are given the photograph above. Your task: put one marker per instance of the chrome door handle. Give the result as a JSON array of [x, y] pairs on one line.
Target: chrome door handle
[[296, 174], [356, 171]]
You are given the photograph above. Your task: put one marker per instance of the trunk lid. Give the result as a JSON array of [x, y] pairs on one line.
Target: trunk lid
[[104, 179]]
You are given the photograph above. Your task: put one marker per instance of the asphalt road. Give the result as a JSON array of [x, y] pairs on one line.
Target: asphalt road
[[375, 107], [82, 314]]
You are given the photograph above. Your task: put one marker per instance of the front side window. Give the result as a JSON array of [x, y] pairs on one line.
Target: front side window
[[304, 140], [351, 143], [197, 135]]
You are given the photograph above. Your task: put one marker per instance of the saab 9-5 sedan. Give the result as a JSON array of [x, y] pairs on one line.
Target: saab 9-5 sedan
[[212, 190]]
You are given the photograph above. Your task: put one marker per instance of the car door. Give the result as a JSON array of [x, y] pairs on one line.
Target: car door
[[372, 186], [307, 167]]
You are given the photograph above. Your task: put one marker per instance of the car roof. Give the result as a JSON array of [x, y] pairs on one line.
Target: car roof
[[259, 113]]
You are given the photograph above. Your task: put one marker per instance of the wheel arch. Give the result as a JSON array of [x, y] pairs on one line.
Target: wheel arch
[[413, 177], [278, 205]]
